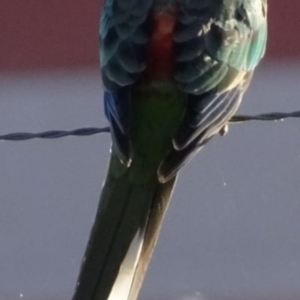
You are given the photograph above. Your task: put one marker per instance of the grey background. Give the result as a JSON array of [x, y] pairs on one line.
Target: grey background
[[233, 227]]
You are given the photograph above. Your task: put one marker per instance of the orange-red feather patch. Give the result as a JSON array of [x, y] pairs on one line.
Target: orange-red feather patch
[[161, 52]]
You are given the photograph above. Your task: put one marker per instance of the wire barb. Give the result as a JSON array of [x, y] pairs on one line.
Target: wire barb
[[55, 134]]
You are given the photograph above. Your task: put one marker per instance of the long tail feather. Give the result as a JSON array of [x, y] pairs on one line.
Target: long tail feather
[[123, 237]]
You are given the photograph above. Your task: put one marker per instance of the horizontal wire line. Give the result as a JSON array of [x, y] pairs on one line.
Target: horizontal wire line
[[274, 116], [53, 134], [88, 131]]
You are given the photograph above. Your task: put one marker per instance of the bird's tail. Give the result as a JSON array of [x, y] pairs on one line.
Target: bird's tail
[[124, 234]]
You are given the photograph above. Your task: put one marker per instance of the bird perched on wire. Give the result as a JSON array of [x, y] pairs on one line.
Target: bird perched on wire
[[174, 73]]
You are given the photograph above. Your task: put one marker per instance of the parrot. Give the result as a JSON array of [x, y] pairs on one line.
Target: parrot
[[174, 73]]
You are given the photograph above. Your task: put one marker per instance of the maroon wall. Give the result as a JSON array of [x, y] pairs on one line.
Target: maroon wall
[[56, 33]]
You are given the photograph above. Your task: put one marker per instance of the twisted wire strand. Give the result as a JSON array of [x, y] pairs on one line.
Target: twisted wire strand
[[88, 131], [274, 116], [53, 134]]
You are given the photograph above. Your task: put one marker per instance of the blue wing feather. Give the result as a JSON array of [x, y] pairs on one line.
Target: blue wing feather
[[124, 35]]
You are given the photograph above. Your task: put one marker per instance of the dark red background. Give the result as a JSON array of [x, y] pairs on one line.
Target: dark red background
[[64, 33]]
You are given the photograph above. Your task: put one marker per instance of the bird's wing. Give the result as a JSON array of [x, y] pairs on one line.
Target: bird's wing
[[124, 36], [217, 48]]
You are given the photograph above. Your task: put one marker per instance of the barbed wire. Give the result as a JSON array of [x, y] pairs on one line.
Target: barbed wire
[[55, 134]]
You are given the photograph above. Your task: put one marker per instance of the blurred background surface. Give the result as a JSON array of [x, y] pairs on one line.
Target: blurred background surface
[[233, 229]]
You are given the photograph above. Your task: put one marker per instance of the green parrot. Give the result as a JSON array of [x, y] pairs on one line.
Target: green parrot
[[174, 73]]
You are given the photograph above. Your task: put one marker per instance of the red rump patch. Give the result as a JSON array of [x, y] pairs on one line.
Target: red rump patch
[[161, 52]]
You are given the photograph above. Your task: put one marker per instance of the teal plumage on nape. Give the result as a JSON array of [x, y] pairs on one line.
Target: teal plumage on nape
[[174, 73]]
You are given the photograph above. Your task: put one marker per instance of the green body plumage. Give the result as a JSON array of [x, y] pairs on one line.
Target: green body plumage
[[152, 129]]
